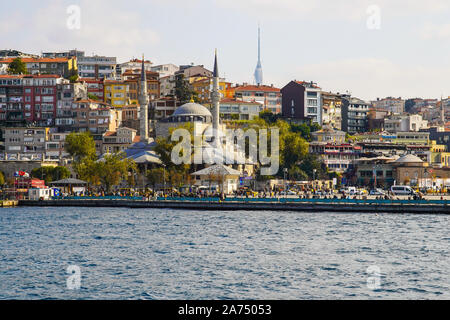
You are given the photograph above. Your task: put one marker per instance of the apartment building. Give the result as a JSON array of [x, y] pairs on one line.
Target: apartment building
[[134, 64], [55, 146], [331, 109], [97, 67], [29, 99], [354, 114], [116, 93], [64, 67], [203, 87], [268, 96], [95, 87], [302, 100], [406, 122], [93, 116], [165, 70], [132, 79], [26, 142], [390, 104], [233, 109], [163, 107], [335, 153], [120, 140], [167, 86]]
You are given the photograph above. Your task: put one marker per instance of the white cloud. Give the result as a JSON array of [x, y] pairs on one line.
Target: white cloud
[[106, 29], [348, 10], [435, 31], [369, 78]]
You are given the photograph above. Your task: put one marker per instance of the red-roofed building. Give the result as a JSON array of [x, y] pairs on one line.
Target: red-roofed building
[[268, 96], [95, 87], [26, 99], [64, 67], [119, 140]]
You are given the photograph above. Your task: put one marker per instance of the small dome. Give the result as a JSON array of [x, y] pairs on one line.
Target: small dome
[[192, 109], [409, 158]]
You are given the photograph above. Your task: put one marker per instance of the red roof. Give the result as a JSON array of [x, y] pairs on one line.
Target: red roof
[[36, 60], [33, 76], [229, 100], [257, 88], [136, 139], [91, 80], [307, 83]]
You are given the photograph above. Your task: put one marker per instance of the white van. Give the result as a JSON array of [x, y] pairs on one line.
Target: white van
[[402, 190], [349, 190]]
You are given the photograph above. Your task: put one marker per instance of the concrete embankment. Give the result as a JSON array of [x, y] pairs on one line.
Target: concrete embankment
[[8, 203], [422, 208]]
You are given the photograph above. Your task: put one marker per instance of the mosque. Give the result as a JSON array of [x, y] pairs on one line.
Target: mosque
[[205, 121]]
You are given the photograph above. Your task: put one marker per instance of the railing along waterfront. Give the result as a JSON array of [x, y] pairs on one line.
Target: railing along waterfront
[[312, 200], [264, 200]]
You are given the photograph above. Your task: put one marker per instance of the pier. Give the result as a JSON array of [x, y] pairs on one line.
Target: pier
[[283, 204]]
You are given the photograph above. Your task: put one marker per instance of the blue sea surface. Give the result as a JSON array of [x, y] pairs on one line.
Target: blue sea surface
[[175, 254]]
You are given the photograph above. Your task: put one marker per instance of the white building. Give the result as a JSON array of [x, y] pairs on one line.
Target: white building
[[231, 109], [165, 70], [394, 105], [133, 65], [97, 67], [167, 86], [405, 123]]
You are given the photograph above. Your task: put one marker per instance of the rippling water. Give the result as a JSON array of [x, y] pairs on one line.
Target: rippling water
[[169, 254]]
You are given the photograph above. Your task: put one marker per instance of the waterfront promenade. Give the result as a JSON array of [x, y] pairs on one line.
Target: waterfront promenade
[[265, 204]]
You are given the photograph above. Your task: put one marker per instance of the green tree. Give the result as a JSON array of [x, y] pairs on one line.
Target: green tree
[[311, 162], [17, 66], [113, 168], [2, 178], [92, 96], [80, 145], [293, 149], [49, 174], [268, 116], [183, 91], [157, 176], [87, 170], [295, 173]]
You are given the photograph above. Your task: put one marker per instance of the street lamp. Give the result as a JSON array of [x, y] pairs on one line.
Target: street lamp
[[164, 177], [285, 171], [314, 177]]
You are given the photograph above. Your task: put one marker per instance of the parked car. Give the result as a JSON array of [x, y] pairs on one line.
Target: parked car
[[377, 192], [350, 190], [403, 190]]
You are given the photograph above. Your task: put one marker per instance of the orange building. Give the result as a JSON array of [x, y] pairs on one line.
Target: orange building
[[132, 79], [204, 87]]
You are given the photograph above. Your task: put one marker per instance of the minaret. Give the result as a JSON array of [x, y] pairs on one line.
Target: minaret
[[258, 71], [215, 97], [442, 112], [143, 102]]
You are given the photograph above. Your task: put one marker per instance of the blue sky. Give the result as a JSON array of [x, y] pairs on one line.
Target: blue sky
[[326, 41]]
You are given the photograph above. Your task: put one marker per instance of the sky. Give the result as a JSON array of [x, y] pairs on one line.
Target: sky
[[372, 49]]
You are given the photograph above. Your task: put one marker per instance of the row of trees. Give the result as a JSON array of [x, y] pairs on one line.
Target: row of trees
[[109, 171], [294, 151]]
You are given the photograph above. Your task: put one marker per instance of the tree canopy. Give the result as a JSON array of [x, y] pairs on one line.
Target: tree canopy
[[183, 91], [50, 174], [17, 66], [80, 145]]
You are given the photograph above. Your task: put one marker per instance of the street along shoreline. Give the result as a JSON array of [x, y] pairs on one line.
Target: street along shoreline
[[305, 205]]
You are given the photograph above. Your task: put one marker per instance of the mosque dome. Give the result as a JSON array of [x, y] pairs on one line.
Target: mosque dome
[[192, 109], [409, 158], [190, 112]]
